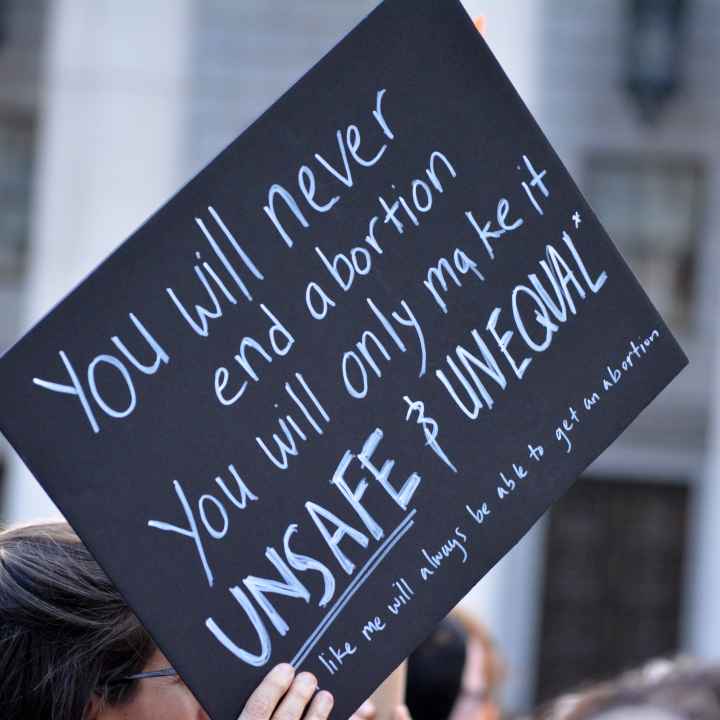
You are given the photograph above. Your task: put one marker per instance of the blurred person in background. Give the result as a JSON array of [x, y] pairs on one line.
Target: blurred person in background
[[455, 673]]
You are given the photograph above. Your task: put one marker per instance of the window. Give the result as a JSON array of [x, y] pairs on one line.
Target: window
[[651, 207], [3, 22], [614, 562], [16, 150]]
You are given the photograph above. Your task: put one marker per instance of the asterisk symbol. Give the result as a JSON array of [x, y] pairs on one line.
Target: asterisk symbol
[[576, 219]]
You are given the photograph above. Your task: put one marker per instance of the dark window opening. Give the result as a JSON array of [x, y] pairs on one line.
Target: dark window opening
[[613, 580]]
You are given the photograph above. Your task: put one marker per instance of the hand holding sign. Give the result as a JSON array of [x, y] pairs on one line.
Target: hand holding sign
[[318, 395], [284, 695]]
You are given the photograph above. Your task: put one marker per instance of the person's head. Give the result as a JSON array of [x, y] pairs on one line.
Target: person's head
[[68, 640], [434, 673], [660, 690]]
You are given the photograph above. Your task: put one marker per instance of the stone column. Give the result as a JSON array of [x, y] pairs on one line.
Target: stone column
[[109, 152], [701, 631]]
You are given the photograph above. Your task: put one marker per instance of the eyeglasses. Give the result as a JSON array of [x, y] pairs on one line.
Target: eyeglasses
[[163, 672]]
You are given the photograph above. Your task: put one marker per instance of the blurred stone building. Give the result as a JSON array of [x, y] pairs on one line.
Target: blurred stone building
[[107, 107]]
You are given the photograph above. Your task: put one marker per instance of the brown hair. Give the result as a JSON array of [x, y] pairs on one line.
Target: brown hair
[[66, 634], [682, 688], [493, 667]]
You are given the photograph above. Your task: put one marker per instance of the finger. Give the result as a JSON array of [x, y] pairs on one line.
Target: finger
[[321, 706], [401, 713], [267, 695], [366, 711], [480, 24], [297, 697]]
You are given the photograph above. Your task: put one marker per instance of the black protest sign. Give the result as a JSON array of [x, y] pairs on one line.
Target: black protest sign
[[312, 400]]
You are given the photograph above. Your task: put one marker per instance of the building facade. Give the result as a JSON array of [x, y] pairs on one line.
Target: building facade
[[94, 96]]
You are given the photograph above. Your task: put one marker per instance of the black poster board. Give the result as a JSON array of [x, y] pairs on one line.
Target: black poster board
[[315, 397]]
